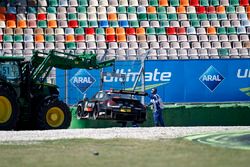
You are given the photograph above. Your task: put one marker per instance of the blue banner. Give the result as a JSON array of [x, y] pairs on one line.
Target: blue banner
[[183, 81]]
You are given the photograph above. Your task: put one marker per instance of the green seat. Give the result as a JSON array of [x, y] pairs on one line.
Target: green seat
[[230, 9], [32, 10], [153, 2], [81, 9], [174, 2], [162, 16], [195, 23], [72, 16], [113, 24], [223, 52], [234, 2], [121, 9], [160, 30], [231, 30], [131, 9], [212, 16], [83, 2], [133, 23], [79, 31], [221, 30], [142, 16], [42, 24], [204, 3], [150, 30], [83, 23], [222, 16], [214, 2], [202, 16], [93, 23], [53, 3], [100, 31], [51, 9], [152, 16], [164, 23], [172, 16], [7, 38], [192, 16], [49, 38], [70, 45], [18, 38], [161, 9]]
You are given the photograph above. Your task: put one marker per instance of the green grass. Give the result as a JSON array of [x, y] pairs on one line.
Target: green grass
[[120, 153]]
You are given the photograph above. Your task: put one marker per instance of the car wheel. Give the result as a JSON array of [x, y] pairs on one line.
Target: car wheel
[[95, 114], [81, 113]]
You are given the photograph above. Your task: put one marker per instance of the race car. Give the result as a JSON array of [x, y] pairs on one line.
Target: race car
[[120, 105]]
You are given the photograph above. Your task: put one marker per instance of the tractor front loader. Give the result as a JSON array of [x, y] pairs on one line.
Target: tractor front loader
[[26, 100]]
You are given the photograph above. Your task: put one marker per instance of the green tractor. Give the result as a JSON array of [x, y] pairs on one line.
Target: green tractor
[[26, 100]]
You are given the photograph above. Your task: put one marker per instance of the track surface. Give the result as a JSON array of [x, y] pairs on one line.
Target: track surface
[[152, 133], [238, 140]]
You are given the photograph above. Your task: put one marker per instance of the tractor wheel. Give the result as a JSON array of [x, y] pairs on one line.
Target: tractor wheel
[[53, 114], [9, 111]]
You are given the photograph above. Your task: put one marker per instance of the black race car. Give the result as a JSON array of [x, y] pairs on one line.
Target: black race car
[[120, 105]]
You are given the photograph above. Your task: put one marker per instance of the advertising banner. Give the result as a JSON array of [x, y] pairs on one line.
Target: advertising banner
[[184, 81]]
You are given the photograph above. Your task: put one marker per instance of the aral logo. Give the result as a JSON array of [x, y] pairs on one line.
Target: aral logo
[[211, 78], [82, 80]]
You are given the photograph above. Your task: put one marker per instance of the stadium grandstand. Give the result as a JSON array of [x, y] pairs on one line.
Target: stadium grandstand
[[124, 29]]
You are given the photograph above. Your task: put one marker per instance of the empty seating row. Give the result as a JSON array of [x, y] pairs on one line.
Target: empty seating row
[[128, 10], [125, 2]]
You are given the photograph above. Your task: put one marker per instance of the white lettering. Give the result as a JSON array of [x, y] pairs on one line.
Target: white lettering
[[82, 80], [156, 76], [211, 78], [243, 73]]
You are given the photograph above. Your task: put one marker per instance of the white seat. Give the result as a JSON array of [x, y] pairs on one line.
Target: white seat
[[92, 17], [182, 16], [185, 45], [91, 9], [162, 38], [216, 44], [203, 38], [49, 45], [113, 45], [232, 16], [111, 9], [61, 9], [101, 9], [195, 45], [164, 45], [133, 2], [123, 45], [113, 2], [174, 45], [172, 38], [233, 38], [205, 23], [212, 38], [131, 38], [93, 3], [17, 45], [162, 52], [143, 2], [71, 9], [132, 16], [212, 52], [182, 38], [91, 45], [185, 23], [151, 38], [237, 44], [144, 23], [171, 9], [154, 45], [174, 24], [205, 45], [101, 45], [182, 52], [154, 23], [82, 16], [102, 16], [235, 23], [29, 45], [226, 44], [243, 52], [143, 45], [21, 16], [60, 45], [172, 52], [123, 2], [131, 52], [244, 38], [192, 38], [233, 52], [122, 17], [133, 45], [90, 38], [103, 3], [225, 23], [73, 3], [191, 9], [100, 38], [215, 23]]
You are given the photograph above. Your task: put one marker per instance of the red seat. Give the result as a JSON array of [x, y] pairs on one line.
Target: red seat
[[10, 16], [89, 31], [79, 38], [1, 38], [171, 30], [244, 3], [194, 3], [130, 31], [211, 9], [73, 23], [200, 9], [110, 38], [181, 30], [41, 16]]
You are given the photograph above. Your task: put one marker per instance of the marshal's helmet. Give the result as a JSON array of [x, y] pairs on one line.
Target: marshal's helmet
[[154, 91]]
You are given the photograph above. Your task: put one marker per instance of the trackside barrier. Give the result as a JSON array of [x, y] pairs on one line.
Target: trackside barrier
[[184, 115]]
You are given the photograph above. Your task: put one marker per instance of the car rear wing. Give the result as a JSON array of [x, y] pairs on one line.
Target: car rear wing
[[130, 92]]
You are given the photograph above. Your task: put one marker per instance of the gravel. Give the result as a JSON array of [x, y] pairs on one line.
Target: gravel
[[151, 133]]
